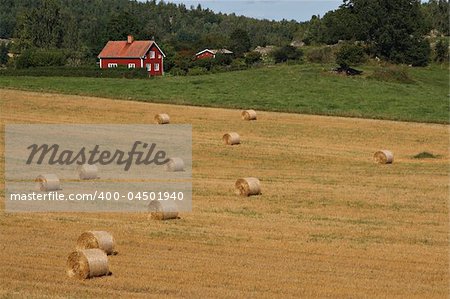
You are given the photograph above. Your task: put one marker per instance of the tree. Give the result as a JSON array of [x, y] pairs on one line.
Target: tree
[[394, 28], [42, 26], [441, 51], [3, 53], [437, 13], [239, 42], [121, 25]]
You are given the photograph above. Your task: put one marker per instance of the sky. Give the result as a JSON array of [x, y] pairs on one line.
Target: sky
[[299, 10]]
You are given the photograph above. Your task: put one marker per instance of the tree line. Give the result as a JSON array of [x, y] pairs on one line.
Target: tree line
[[394, 30]]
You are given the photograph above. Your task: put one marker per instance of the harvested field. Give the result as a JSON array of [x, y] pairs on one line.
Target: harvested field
[[330, 221]]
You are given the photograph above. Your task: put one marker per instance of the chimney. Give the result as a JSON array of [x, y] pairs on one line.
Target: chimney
[[130, 39]]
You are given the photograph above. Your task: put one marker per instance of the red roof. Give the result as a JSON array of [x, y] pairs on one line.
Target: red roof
[[123, 49]]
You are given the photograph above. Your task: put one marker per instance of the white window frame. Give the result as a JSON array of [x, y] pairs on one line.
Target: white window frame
[[152, 54], [132, 65], [148, 67], [112, 65], [156, 67]]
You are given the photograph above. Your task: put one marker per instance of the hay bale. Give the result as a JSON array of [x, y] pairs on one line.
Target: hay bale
[[383, 157], [48, 182], [96, 239], [88, 172], [87, 263], [163, 210], [175, 164], [248, 115], [231, 138], [248, 187], [162, 118]]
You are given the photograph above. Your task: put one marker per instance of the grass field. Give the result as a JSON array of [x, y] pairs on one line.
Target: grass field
[[330, 222], [309, 89]]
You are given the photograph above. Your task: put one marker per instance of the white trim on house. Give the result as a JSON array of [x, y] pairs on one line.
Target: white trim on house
[[164, 55], [112, 65], [100, 63], [214, 52], [206, 50], [142, 63], [132, 65], [162, 62]]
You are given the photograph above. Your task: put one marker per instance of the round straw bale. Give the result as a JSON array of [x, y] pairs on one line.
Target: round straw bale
[[248, 115], [175, 164], [383, 157], [231, 138], [163, 210], [48, 182], [96, 239], [88, 172], [87, 263], [162, 118], [248, 186]]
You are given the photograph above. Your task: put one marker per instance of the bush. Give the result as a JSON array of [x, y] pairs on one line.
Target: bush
[[238, 64], [195, 71], [176, 71], [287, 53], [441, 51], [85, 71], [321, 55], [392, 74], [223, 59], [350, 54], [252, 57], [205, 63], [37, 58]]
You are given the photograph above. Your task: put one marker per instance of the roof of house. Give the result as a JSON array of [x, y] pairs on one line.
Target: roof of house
[[123, 49], [215, 51]]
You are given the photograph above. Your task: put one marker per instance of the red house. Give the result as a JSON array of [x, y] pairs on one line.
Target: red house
[[207, 53], [133, 54]]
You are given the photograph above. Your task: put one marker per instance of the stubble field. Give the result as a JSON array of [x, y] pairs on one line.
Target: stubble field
[[330, 222]]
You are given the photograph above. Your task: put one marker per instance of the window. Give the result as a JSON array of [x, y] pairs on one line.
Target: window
[[131, 65], [148, 66], [159, 56], [152, 54], [156, 67], [111, 65]]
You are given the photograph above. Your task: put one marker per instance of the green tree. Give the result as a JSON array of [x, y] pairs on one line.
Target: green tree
[[394, 28], [121, 25], [441, 50], [3, 53], [42, 26], [239, 42], [437, 15]]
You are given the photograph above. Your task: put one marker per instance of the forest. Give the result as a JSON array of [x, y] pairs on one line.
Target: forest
[[74, 31]]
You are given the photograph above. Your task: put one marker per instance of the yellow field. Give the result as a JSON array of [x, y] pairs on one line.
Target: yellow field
[[330, 222]]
